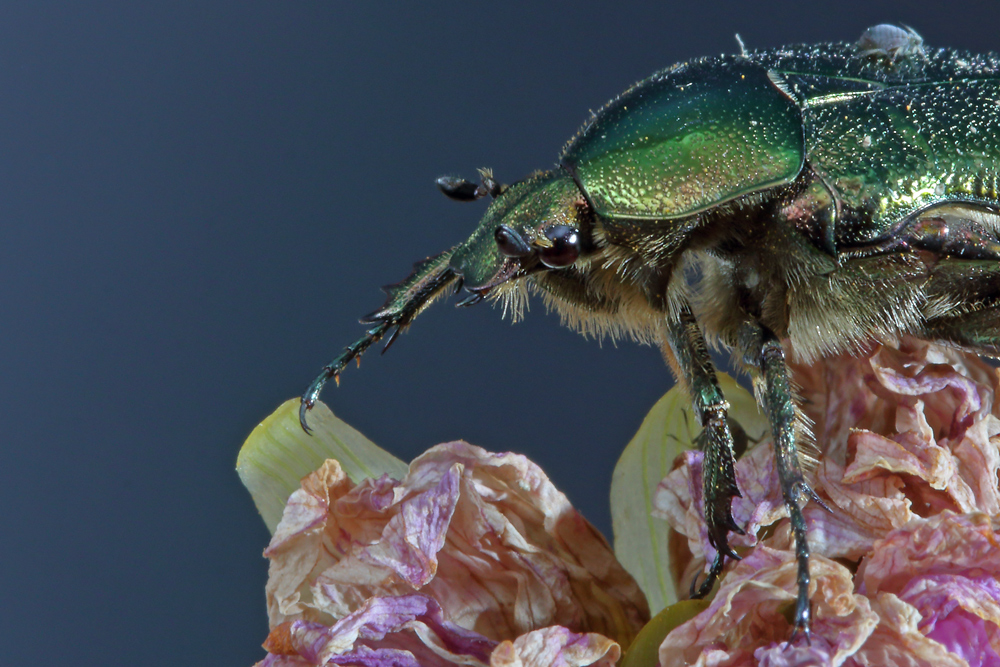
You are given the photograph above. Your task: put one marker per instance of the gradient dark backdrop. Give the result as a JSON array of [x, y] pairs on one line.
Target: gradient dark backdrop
[[198, 200]]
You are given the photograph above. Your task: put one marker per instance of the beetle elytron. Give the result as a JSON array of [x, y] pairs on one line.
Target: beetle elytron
[[829, 195]]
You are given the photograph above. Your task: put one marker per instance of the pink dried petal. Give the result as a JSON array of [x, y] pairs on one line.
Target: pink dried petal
[[486, 535], [306, 508], [907, 438], [299, 546], [927, 462], [679, 501], [938, 595], [876, 454], [875, 505], [273, 660], [837, 399], [947, 543], [556, 647], [897, 640], [407, 631], [952, 399], [978, 459], [969, 637], [961, 612], [411, 540], [747, 614], [909, 456], [818, 651], [833, 534]]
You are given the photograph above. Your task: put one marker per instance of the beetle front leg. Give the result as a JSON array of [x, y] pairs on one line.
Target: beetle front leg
[[336, 367], [429, 280], [718, 469], [763, 352]]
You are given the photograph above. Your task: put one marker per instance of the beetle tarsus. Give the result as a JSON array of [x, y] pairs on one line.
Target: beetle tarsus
[[697, 592], [304, 408], [336, 367], [801, 626]]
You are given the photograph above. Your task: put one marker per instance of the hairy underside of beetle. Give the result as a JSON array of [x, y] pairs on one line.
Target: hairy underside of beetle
[[743, 262]]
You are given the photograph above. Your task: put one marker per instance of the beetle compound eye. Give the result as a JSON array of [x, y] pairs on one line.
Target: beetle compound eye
[[565, 247], [511, 243]]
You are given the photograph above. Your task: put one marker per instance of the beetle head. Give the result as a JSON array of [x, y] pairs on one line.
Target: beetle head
[[533, 225], [538, 224]]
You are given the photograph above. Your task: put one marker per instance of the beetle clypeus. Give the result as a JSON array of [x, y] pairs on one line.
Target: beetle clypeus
[[829, 195]]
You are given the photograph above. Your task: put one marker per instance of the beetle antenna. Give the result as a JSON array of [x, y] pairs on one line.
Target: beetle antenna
[[490, 186], [459, 189]]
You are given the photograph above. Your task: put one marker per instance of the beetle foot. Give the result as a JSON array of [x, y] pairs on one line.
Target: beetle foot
[[803, 614], [311, 395], [719, 517], [304, 408], [698, 592]]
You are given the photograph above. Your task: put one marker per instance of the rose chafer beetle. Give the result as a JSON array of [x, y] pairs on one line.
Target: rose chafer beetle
[[826, 195]]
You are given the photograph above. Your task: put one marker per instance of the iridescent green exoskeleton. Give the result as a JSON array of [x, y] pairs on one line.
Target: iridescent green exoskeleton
[[828, 196]]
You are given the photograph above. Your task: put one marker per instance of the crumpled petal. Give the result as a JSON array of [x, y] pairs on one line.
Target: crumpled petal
[[960, 612], [556, 647], [747, 616], [909, 453], [406, 631], [944, 544], [486, 537], [498, 569], [897, 640], [865, 509]]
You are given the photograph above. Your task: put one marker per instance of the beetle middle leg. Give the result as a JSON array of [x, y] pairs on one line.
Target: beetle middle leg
[[718, 470], [762, 351]]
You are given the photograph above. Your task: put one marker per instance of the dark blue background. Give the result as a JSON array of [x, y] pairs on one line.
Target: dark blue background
[[197, 201]]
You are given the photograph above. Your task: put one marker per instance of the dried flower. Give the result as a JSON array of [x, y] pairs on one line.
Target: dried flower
[[475, 558], [905, 570], [470, 555]]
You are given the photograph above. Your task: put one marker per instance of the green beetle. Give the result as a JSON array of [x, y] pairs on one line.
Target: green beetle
[[831, 195]]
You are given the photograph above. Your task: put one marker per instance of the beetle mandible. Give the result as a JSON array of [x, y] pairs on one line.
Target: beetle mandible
[[819, 194]]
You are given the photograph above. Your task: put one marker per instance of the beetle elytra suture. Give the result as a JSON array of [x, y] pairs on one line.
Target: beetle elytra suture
[[830, 195]]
